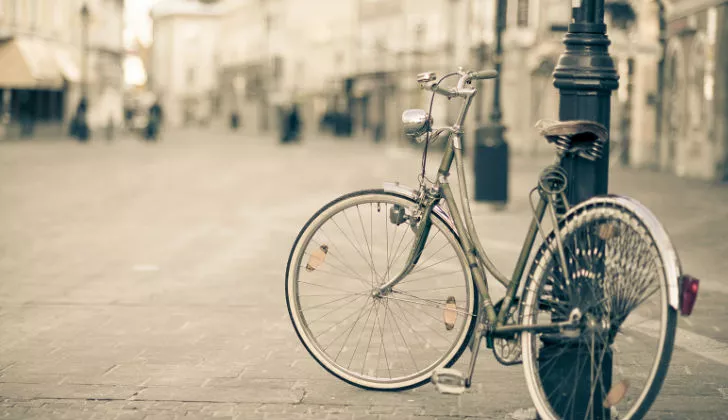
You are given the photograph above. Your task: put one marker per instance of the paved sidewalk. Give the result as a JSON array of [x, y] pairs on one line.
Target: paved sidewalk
[[145, 281]]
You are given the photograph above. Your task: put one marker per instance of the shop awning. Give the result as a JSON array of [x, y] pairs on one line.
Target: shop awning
[[27, 63]]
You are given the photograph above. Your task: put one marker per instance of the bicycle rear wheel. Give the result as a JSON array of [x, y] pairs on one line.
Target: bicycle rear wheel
[[621, 267], [391, 342]]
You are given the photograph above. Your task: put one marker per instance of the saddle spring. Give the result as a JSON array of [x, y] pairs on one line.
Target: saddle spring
[[591, 147], [562, 143], [552, 182]]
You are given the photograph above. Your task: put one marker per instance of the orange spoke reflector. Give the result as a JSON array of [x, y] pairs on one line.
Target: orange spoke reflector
[[317, 258], [618, 391], [607, 230], [450, 313]]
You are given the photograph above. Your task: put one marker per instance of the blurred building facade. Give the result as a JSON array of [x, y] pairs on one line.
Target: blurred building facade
[[253, 42], [693, 128], [670, 110], [182, 69], [361, 57], [356, 56], [42, 57]]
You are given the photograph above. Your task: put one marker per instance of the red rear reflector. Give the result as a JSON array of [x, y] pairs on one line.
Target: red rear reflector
[[688, 293]]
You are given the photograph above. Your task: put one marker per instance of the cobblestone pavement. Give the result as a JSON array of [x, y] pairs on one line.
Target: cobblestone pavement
[[145, 281]]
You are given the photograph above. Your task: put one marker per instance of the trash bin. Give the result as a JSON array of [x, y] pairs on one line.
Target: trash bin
[[491, 165], [342, 124]]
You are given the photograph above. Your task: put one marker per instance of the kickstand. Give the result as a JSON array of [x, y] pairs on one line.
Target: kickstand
[[478, 339]]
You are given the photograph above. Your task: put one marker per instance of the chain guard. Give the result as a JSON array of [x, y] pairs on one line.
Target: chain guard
[[508, 350]]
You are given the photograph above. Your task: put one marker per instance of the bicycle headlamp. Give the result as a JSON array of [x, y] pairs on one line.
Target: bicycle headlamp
[[416, 122]]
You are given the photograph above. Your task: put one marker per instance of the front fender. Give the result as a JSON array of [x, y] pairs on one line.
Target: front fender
[[409, 192]]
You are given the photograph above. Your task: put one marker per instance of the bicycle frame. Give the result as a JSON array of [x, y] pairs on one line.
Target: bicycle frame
[[477, 258]]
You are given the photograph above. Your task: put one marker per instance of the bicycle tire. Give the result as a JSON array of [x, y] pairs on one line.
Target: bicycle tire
[[612, 245], [311, 238]]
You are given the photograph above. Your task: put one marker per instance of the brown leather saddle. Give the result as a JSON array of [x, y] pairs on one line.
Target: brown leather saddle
[[579, 137]]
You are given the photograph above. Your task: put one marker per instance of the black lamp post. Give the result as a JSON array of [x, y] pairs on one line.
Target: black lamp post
[[84, 46], [450, 44], [585, 76], [266, 68], [480, 52], [660, 104], [491, 148], [496, 115], [81, 123]]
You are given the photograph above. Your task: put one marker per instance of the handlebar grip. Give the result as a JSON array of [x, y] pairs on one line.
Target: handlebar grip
[[484, 74]]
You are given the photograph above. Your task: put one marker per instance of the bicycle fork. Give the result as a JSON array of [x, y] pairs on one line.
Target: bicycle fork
[[449, 381], [422, 232]]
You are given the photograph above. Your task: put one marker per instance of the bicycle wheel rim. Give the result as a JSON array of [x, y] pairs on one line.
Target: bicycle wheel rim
[[330, 362], [626, 402]]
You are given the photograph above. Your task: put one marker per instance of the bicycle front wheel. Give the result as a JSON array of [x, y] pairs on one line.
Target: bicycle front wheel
[[620, 266], [391, 341]]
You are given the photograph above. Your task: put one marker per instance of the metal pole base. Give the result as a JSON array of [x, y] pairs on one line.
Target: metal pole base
[[569, 388]]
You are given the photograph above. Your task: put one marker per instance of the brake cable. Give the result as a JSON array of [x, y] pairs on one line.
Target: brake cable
[[423, 176]]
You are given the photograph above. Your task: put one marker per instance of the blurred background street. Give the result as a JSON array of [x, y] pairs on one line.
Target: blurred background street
[[349, 66], [159, 157]]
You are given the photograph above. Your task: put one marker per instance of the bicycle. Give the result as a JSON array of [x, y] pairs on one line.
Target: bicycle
[[597, 300]]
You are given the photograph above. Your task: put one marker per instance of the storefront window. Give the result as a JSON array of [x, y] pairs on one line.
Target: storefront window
[[557, 14], [711, 32], [673, 101], [32, 14], [6, 12], [700, 84], [522, 13], [21, 13]]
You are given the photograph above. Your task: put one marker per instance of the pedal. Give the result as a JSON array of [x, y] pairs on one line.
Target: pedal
[[449, 381]]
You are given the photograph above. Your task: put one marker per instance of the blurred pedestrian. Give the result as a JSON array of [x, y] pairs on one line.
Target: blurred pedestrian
[[27, 114], [291, 125], [154, 123], [128, 117], [79, 124], [110, 129], [378, 132], [234, 120]]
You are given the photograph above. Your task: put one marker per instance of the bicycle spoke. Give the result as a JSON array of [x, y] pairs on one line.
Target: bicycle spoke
[[404, 340], [366, 241], [334, 251], [357, 342], [334, 310], [331, 301], [424, 302], [358, 251], [319, 270], [325, 287], [363, 308]]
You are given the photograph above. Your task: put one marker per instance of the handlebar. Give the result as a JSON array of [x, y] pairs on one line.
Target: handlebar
[[460, 90], [449, 92], [483, 74]]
